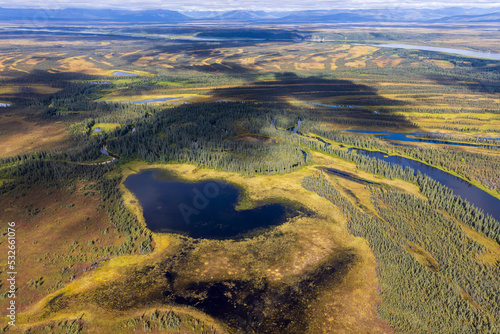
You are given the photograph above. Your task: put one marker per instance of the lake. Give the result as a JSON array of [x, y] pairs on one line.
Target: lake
[[464, 189], [204, 209], [462, 52]]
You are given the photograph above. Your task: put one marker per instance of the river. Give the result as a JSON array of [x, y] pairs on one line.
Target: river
[[480, 198], [462, 52], [404, 137]]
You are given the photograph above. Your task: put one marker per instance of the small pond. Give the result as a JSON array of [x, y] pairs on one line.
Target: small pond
[[125, 74], [158, 100], [204, 209]]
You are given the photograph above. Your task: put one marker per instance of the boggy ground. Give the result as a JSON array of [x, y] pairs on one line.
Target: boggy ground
[[305, 276]]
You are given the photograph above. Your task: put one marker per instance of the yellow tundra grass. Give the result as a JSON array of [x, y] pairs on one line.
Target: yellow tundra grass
[[79, 65]]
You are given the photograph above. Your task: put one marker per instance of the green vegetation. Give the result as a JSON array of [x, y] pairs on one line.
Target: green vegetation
[[434, 259], [438, 195], [157, 321], [456, 294], [54, 174], [62, 327], [479, 167]]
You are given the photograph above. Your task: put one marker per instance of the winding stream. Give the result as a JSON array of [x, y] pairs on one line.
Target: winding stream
[[474, 195]]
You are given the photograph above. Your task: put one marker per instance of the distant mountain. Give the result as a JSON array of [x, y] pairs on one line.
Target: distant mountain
[[243, 15], [444, 15], [234, 14], [200, 14], [492, 17], [373, 15], [318, 16], [78, 14]]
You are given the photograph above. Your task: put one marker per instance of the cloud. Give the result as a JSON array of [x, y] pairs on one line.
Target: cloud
[[276, 5]]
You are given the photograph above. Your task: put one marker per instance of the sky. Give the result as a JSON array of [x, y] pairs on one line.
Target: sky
[[274, 5]]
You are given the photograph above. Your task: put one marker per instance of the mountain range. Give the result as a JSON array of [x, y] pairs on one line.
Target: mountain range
[[444, 15]]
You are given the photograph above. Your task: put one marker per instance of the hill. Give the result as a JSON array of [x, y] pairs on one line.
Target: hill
[[27, 15], [493, 17]]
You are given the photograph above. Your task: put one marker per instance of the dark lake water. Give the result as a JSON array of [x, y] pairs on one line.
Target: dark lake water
[[200, 209], [464, 189]]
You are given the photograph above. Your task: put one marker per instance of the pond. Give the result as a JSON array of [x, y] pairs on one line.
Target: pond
[[464, 189], [204, 209], [125, 74], [158, 100]]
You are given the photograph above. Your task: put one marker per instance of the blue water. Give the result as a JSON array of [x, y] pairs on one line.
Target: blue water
[[296, 129], [464, 189], [324, 142], [332, 105], [403, 137], [203, 209], [157, 100], [125, 74], [487, 138]]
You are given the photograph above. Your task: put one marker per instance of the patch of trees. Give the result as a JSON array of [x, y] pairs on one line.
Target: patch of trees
[[50, 173], [439, 196], [158, 320], [61, 327], [227, 136], [479, 167], [438, 290]]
